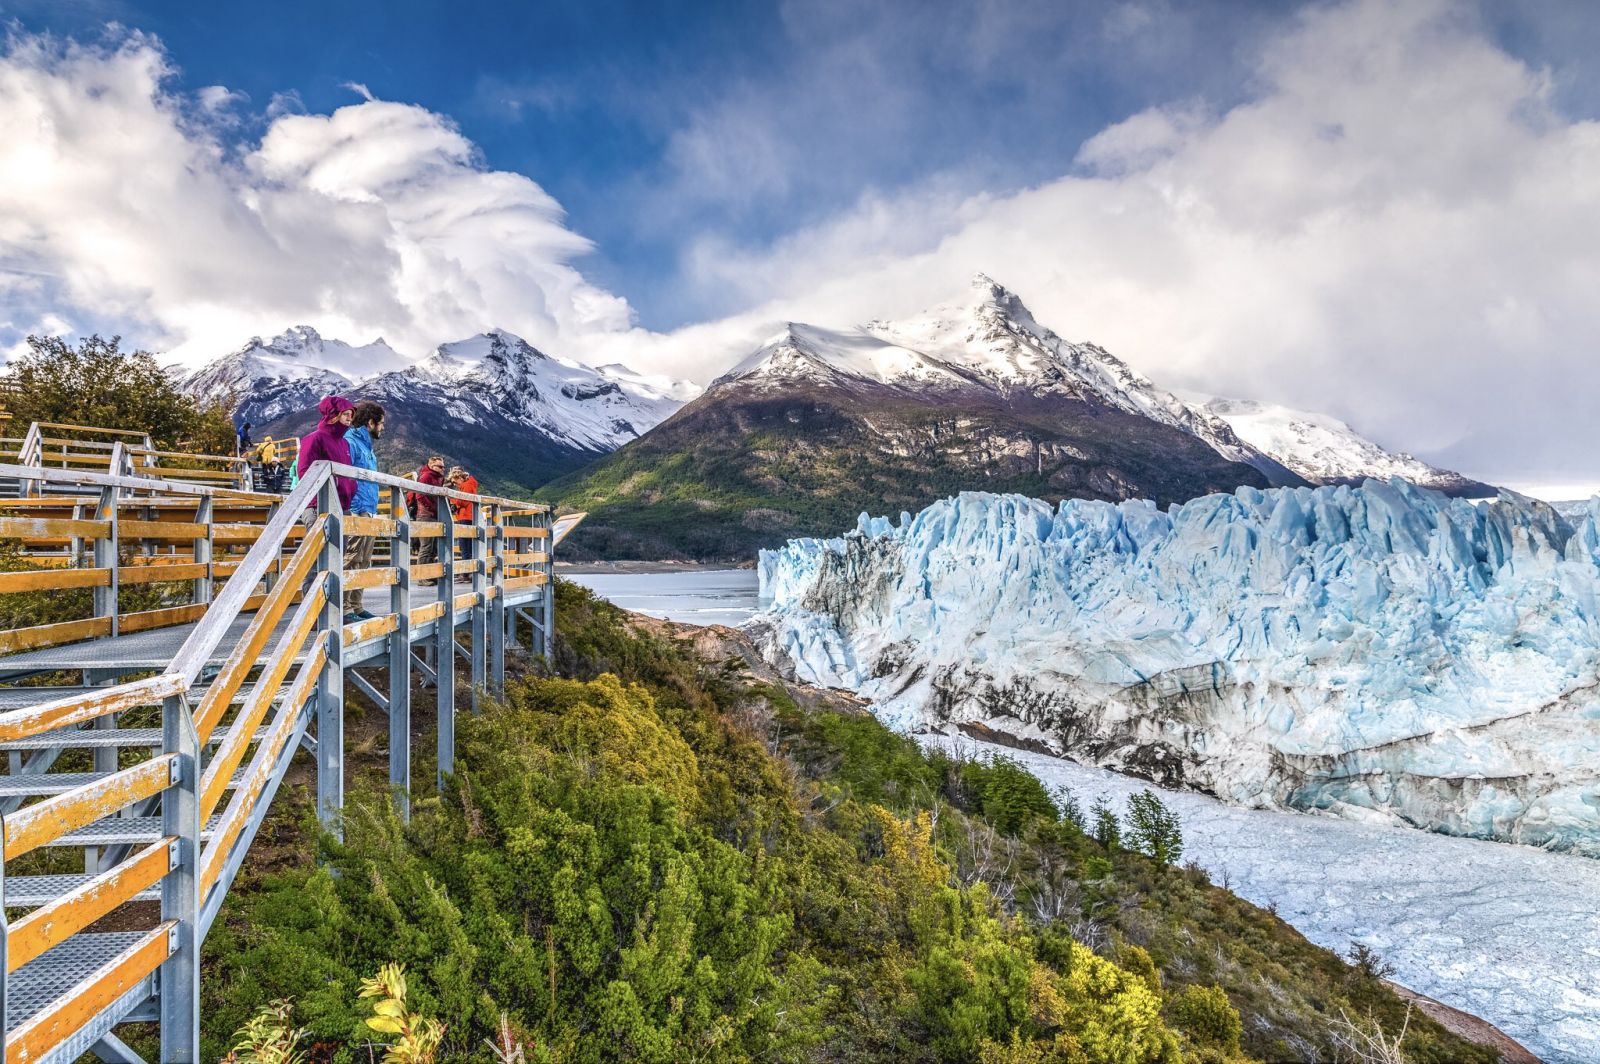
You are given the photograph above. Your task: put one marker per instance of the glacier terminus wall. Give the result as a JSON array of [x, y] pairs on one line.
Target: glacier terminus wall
[[1379, 651]]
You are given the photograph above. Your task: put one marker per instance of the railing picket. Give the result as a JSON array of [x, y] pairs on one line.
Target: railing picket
[[400, 655], [330, 685], [494, 557], [479, 626], [444, 664]]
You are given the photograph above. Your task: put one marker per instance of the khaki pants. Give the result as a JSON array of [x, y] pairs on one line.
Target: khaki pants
[[357, 555]]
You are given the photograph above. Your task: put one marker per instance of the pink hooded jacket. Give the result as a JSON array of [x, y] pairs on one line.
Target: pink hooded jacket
[[327, 443]]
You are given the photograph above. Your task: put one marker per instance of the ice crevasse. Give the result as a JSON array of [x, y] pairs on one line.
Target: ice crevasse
[[1373, 651]]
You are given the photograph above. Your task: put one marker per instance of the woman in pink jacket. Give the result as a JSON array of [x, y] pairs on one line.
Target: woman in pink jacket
[[327, 443]]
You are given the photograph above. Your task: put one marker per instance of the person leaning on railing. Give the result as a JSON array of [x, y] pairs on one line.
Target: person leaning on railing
[[364, 433], [425, 507], [461, 480]]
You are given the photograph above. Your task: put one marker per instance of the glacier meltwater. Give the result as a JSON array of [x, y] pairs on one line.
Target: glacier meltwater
[[1379, 651]]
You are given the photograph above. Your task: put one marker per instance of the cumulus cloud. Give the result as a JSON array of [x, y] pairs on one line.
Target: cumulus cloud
[[121, 209], [1397, 226]]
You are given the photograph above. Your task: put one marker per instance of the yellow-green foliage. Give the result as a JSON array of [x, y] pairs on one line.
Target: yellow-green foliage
[[269, 1037], [416, 1037], [1208, 1018]]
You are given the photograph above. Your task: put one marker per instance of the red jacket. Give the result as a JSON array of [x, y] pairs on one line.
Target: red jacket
[[425, 507], [461, 508]]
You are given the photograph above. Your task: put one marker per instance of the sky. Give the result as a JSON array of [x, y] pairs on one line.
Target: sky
[[1383, 210]]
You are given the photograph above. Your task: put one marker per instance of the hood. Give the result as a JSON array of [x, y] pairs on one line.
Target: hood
[[332, 406]]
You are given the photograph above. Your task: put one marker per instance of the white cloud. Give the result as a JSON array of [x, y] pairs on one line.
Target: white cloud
[[1397, 227], [120, 210], [1395, 224]]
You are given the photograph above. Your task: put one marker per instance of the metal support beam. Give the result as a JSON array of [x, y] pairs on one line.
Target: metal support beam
[[478, 619], [444, 652], [548, 645], [365, 686], [330, 686], [180, 890], [495, 622], [202, 549], [113, 1050], [420, 661], [400, 657]]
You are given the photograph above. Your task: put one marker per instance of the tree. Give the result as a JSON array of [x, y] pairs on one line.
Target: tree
[[1153, 829], [1107, 830], [101, 385]]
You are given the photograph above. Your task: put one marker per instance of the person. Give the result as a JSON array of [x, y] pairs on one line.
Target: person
[[425, 507], [272, 465], [327, 443], [244, 442], [366, 430], [461, 509]]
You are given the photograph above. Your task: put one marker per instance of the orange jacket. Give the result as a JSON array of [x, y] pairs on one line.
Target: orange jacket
[[459, 507]]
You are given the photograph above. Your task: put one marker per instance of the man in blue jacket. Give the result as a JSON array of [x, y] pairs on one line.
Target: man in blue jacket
[[366, 430]]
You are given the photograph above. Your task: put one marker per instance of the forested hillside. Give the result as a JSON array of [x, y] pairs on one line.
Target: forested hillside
[[657, 854]]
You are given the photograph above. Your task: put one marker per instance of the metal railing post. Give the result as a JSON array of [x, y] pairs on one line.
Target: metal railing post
[[330, 685], [444, 665], [105, 556], [5, 952], [549, 597], [400, 656], [180, 890], [204, 514], [496, 607], [479, 615]]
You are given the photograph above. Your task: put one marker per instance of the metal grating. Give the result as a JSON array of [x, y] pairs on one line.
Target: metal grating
[[30, 892], [133, 830], [43, 979]]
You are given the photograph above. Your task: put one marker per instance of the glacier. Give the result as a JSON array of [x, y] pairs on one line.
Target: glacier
[[1378, 652]]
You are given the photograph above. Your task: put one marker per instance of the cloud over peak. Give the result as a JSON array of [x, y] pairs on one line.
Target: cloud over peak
[[122, 207]]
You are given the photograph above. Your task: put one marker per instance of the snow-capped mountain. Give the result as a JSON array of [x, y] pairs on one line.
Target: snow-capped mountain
[[819, 424], [500, 374], [492, 400], [1325, 450], [1380, 650], [987, 341], [271, 378]]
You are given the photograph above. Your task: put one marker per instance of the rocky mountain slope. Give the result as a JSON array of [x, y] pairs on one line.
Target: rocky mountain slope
[[818, 425], [1325, 450], [493, 402], [1375, 651]]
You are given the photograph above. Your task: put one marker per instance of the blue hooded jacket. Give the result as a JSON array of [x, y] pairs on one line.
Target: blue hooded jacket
[[365, 500]]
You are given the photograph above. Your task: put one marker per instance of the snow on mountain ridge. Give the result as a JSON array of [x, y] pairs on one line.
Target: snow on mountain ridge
[[1321, 448], [491, 373], [1375, 650], [986, 340]]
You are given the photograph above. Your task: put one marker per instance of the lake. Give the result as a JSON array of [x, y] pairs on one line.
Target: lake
[[695, 596]]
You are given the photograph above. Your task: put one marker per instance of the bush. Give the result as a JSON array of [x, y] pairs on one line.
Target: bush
[[100, 385], [1205, 1014]]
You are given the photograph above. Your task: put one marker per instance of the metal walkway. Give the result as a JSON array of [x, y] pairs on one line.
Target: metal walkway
[[161, 781]]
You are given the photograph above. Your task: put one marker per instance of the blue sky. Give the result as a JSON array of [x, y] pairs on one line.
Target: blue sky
[[1374, 208]]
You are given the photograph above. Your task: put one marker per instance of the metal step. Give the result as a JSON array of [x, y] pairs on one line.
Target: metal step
[[40, 784], [91, 738], [30, 892], [114, 830], [46, 977]]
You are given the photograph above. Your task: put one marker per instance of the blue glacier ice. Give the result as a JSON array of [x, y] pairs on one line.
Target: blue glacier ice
[[1380, 652]]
